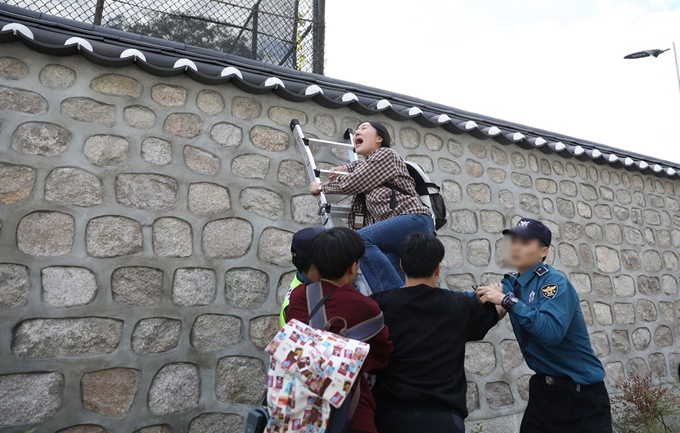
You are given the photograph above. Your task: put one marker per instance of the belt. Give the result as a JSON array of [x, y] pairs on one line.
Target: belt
[[561, 382]]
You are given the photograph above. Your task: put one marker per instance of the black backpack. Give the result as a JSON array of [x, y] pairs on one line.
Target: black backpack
[[427, 191]]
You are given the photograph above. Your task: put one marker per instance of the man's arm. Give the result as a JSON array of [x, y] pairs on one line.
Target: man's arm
[[549, 320]]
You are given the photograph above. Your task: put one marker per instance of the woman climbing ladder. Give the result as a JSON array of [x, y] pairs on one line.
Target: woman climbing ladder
[[381, 210]]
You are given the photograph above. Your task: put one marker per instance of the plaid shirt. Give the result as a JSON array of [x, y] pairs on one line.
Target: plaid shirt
[[368, 176]]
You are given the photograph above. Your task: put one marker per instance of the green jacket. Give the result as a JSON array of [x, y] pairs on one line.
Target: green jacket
[[284, 306]]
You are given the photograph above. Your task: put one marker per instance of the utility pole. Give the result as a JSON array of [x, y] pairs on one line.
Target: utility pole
[[677, 67], [98, 12]]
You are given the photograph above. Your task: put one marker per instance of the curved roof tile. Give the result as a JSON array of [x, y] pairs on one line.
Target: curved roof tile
[[114, 48]]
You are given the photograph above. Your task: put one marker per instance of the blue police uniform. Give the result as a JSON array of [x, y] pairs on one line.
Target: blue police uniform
[[549, 326], [567, 394]]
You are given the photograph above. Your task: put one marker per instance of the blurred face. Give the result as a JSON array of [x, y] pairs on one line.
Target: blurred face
[[526, 253], [366, 139]]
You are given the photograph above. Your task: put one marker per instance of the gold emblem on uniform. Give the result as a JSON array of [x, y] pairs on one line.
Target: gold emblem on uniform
[[549, 290]]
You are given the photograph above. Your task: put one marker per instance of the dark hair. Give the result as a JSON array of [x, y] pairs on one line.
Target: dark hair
[[543, 245], [302, 264], [382, 132], [335, 251], [420, 255]]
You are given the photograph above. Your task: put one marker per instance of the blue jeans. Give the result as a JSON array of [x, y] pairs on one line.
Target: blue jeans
[[380, 264]]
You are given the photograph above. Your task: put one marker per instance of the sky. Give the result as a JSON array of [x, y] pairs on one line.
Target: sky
[[551, 64]]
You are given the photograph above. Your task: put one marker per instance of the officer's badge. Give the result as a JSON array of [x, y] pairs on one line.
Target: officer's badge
[[549, 290], [532, 296]]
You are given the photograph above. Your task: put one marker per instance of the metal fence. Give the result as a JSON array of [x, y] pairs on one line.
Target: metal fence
[[288, 33]]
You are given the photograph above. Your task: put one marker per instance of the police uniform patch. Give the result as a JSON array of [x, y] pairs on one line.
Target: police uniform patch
[[532, 296], [541, 270], [549, 291]]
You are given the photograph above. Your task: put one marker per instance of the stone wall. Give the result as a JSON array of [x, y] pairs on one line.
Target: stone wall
[[144, 247]]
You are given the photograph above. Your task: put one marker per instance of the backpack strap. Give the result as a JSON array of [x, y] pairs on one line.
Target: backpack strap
[[315, 302], [367, 329], [393, 198]]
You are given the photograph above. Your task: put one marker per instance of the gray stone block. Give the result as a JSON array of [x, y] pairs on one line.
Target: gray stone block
[[451, 191], [546, 186], [528, 203], [492, 221], [14, 285], [156, 151], [57, 77], [568, 255], [216, 422], [274, 246], [305, 210], [263, 329], [581, 282], [480, 357], [210, 102], [409, 138], [464, 221], [73, 186], [511, 355], [60, 338], [521, 180], [479, 192], [603, 285], [270, 139], [208, 198], [620, 341], [12, 69], [200, 161], [607, 259], [614, 373], [646, 310], [250, 166], [624, 313], [291, 173], [433, 142], [603, 313], [506, 198], [117, 85], [498, 156], [588, 192], [498, 394], [670, 261], [146, 191], [193, 287], [282, 116], [584, 210], [175, 388], [477, 150], [185, 125], [104, 150], [424, 161], [46, 234], [663, 336], [245, 108], [262, 202], [648, 286], [565, 207], [227, 238], [669, 285], [41, 138], [246, 287], [474, 168], [479, 252], [139, 286], [587, 313], [454, 252], [155, 335], [68, 286], [600, 342], [472, 396], [226, 134], [641, 338], [29, 398], [518, 160], [169, 96], [89, 110], [216, 331], [160, 428], [16, 183], [83, 428], [113, 236], [652, 261], [239, 379], [454, 147], [110, 392], [139, 117], [22, 101], [497, 175], [657, 365], [172, 237]]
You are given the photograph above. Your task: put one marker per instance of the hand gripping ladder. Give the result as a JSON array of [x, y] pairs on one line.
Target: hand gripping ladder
[[327, 210]]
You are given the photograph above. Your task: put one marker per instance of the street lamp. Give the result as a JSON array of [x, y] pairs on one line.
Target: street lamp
[[657, 53]]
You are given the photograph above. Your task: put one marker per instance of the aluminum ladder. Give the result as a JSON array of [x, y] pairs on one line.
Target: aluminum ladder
[[328, 211]]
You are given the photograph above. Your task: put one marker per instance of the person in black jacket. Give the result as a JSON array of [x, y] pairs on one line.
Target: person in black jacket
[[423, 388]]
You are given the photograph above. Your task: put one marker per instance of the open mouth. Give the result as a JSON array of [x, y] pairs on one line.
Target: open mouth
[[358, 140]]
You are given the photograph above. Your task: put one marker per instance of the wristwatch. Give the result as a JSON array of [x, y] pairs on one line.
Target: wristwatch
[[508, 302]]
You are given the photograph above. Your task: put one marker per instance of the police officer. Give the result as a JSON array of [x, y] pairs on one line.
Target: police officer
[[567, 393]]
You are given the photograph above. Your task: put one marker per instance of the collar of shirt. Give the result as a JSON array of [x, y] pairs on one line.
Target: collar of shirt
[[524, 278], [303, 279]]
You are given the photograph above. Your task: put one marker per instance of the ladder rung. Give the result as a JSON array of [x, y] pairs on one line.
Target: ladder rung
[[335, 210], [327, 143], [319, 171]]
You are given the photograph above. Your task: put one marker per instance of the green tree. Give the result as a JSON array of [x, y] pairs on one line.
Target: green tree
[[189, 30]]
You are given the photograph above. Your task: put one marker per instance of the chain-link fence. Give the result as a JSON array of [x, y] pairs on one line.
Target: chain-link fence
[[288, 33]]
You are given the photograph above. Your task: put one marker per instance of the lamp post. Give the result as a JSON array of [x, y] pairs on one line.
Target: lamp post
[[657, 53]]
